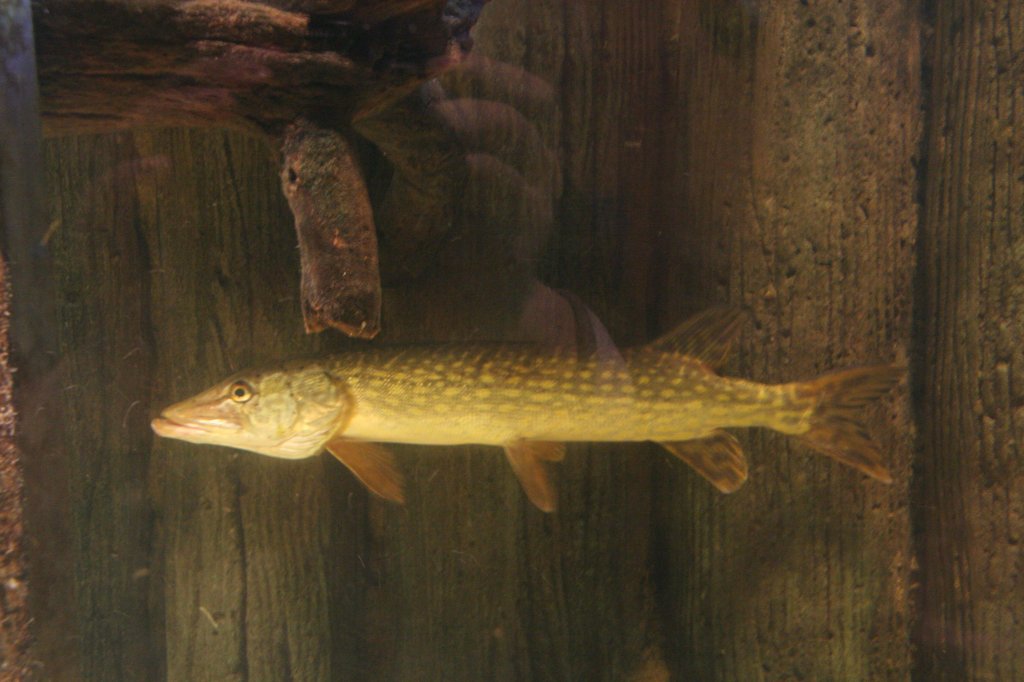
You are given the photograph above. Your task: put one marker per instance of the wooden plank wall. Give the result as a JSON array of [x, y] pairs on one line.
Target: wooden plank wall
[[763, 154], [797, 200], [969, 485], [178, 266]]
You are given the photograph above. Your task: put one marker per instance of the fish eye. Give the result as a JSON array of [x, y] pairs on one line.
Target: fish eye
[[241, 392]]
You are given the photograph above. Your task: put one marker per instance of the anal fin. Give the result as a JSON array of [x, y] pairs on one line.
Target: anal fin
[[717, 457], [372, 464], [528, 459]]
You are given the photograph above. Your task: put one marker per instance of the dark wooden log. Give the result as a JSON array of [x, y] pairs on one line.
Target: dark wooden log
[[969, 488], [107, 64]]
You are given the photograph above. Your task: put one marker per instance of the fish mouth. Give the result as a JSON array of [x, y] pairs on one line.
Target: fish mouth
[[168, 428]]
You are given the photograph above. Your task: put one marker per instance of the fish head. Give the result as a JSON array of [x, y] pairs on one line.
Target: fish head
[[288, 412]]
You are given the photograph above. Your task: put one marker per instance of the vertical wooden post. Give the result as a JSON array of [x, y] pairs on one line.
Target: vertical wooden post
[[792, 192], [34, 357], [969, 489]]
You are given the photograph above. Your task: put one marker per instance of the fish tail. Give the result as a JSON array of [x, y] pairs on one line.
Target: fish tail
[[836, 421]]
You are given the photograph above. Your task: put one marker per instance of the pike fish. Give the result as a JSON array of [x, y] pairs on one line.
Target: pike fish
[[531, 403]]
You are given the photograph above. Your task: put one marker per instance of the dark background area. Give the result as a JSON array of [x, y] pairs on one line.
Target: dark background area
[[850, 171]]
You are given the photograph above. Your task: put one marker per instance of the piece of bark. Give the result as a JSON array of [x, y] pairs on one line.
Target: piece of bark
[[337, 239]]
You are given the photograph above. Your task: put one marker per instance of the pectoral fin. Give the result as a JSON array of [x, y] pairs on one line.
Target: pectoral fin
[[717, 457], [372, 464], [528, 459]]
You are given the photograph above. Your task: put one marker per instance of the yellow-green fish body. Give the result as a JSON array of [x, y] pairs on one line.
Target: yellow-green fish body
[[497, 395], [530, 403]]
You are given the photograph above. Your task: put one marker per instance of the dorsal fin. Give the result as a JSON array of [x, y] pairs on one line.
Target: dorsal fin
[[707, 336]]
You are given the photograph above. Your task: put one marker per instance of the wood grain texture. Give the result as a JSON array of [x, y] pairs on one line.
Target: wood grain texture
[[102, 288], [794, 191], [174, 272], [250, 561], [969, 491]]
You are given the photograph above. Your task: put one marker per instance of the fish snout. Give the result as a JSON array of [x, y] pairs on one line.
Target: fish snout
[[169, 428], [191, 422]]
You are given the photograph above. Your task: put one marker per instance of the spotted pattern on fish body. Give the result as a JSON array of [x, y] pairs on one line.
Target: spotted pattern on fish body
[[491, 396], [530, 402]]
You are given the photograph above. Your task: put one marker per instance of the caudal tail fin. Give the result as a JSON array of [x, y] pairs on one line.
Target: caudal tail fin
[[836, 426]]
